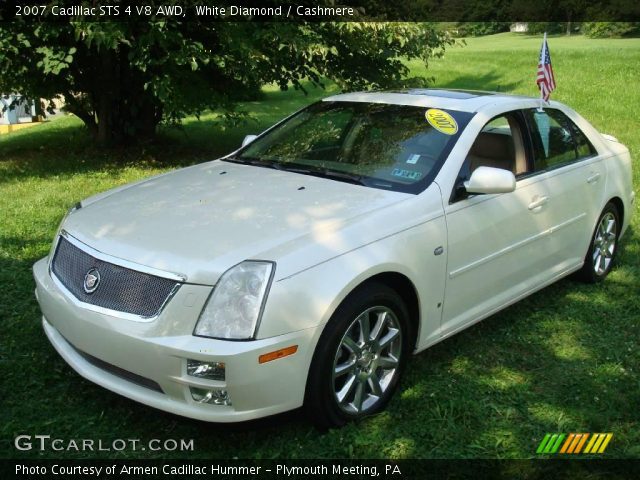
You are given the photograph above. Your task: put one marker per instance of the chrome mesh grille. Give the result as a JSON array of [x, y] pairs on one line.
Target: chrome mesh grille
[[120, 288]]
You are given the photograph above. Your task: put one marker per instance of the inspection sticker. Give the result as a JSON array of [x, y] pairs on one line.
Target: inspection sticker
[[408, 174], [441, 121]]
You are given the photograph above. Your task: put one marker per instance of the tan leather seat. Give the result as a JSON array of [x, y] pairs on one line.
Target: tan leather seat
[[492, 150]]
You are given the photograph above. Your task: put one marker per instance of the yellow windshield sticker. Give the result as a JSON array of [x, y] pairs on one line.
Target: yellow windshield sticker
[[441, 121]]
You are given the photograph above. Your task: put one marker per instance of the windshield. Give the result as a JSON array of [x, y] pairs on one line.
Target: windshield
[[392, 147]]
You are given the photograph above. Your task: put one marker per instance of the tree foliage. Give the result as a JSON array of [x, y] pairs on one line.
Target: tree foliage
[[611, 29], [123, 78], [478, 29]]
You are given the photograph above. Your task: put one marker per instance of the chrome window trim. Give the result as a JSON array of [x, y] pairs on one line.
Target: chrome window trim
[[116, 261]]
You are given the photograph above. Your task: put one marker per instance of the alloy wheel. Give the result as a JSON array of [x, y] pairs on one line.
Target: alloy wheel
[[604, 243], [367, 360]]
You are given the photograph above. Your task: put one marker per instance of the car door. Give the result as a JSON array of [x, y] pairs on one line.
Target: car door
[[574, 175], [497, 248]]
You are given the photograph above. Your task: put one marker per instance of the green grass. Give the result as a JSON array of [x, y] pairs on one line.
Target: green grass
[[565, 359]]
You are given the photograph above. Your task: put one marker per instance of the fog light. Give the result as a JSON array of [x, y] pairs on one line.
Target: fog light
[[208, 370], [211, 396]]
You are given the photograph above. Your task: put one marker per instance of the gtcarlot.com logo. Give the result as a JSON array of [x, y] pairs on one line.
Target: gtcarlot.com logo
[[574, 443], [47, 442]]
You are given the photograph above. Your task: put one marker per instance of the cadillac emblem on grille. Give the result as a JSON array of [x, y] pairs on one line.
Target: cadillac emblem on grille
[[91, 280]]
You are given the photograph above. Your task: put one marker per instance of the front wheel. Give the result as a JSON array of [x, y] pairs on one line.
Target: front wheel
[[360, 357], [604, 246]]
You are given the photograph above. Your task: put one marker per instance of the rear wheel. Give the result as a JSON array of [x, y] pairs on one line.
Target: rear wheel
[[360, 357], [604, 246]]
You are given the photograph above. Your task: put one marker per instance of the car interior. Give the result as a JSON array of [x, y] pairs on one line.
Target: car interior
[[499, 145]]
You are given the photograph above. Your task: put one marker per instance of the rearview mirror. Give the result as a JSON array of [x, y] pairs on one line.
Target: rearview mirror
[[248, 139], [491, 180]]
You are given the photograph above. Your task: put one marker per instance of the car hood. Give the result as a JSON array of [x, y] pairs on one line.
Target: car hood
[[201, 220]]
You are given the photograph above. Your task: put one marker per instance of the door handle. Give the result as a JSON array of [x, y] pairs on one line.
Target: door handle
[[538, 202], [593, 178]]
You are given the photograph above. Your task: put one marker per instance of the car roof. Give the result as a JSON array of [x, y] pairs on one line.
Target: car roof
[[450, 99]]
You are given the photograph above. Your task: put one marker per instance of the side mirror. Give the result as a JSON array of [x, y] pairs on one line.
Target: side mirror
[[248, 139], [491, 180]]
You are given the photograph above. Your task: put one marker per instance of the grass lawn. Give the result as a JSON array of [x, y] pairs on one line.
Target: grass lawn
[[564, 360]]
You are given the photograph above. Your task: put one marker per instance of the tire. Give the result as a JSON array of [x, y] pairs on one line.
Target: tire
[[603, 247], [349, 378]]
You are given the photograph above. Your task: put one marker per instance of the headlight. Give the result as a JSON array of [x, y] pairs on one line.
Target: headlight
[[234, 308]]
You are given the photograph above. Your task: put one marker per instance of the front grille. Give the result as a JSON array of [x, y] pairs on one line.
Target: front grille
[[120, 289]]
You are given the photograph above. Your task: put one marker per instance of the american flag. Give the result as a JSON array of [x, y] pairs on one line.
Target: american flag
[[545, 79]]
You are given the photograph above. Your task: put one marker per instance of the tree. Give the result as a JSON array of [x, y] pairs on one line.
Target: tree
[[611, 29], [122, 78], [555, 16]]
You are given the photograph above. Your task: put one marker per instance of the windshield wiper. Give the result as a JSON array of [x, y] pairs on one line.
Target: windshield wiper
[[316, 172], [326, 173], [256, 162]]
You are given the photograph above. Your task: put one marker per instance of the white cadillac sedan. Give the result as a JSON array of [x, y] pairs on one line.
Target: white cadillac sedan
[[306, 267]]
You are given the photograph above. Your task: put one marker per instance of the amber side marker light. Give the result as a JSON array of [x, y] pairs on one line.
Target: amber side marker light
[[283, 352]]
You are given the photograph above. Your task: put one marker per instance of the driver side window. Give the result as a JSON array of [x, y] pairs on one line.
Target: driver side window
[[498, 145]]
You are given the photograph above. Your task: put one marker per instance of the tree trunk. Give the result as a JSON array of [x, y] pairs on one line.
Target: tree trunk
[[126, 112], [569, 26], [123, 121], [80, 109]]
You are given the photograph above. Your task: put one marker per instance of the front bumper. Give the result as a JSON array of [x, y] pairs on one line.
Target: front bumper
[[156, 353]]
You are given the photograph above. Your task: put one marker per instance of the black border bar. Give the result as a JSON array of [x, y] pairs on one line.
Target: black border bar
[[332, 469], [507, 11]]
